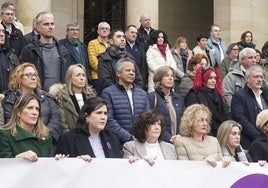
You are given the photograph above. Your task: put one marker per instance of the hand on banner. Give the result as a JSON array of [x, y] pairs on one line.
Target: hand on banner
[[211, 161], [28, 155], [60, 156], [226, 160], [132, 159], [262, 162], [86, 158], [150, 159]]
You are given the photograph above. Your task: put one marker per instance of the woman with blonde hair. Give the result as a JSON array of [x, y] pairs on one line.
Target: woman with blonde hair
[[25, 135], [24, 79], [70, 96], [229, 139], [194, 143]]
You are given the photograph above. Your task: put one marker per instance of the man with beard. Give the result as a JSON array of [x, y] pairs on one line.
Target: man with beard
[[248, 102], [49, 56], [108, 60]]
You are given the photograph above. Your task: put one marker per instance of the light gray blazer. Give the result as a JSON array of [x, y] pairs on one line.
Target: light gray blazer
[[136, 148]]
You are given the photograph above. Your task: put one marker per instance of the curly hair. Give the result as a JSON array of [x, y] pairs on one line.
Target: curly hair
[[196, 59], [225, 130], [202, 75], [143, 123], [17, 73], [190, 117]]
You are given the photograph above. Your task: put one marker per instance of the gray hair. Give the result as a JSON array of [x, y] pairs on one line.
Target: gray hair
[[103, 23], [40, 15], [257, 68], [120, 62], [243, 53], [73, 24]]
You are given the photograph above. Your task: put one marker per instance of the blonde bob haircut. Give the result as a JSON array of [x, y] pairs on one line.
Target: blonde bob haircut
[[40, 130], [191, 116], [17, 73], [225, 130], [68, 79], [160, 73]]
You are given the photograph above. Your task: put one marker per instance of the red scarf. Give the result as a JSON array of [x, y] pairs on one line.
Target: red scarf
[[162, 48]]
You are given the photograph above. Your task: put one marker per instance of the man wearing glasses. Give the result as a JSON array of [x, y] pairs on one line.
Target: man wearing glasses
[[95, 48], [77, 49]]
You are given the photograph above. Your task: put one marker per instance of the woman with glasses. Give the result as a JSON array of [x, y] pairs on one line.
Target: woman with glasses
[[228, 62], [24, 80], [207, 90]]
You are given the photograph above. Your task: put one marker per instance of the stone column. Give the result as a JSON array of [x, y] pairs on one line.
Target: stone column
[[238, 16], [134, 8], [26, 10]]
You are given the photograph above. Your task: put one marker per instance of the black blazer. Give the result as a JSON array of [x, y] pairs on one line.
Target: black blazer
[[76, 143]]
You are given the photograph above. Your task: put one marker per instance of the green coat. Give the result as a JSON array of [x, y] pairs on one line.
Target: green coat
[[11, 146], [69, 114]]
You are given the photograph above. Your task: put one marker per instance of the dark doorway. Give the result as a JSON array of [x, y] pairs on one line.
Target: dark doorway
[[96, 11]]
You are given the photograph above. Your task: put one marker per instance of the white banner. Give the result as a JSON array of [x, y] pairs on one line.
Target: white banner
[[118, 173]]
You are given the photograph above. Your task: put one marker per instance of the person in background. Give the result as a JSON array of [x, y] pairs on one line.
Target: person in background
[[107, 61], [201, 48], [216, 44], [194, 143], [148, 131], [8, 61], [90, 138], [230, 60], [167, 102], [25, 135], [258, 150], [24, 80], [50, 57], [229, 139], [96, 47], [125, 101], [77, 49], [71, 96], [33, 35], [235, 79], [136, 49], [145, 31], [207, 90], [246, 41], [158, 55], [181, 53], [14, 36], [187, 80]]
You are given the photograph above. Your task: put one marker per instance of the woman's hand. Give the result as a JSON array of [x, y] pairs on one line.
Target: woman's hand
[[132, 159], [150, 159], [60, 156], [174, 137], [262, 162], [2, 96], [86, 158], [226, 160], [211, 161], [28, 155]]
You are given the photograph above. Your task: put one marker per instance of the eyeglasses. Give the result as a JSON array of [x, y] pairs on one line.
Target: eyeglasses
[[104, 28], [30, 75], [74, 29], [235, 49]]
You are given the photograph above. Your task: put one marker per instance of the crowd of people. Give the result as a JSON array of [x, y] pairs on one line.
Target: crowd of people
[[129, 94]]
